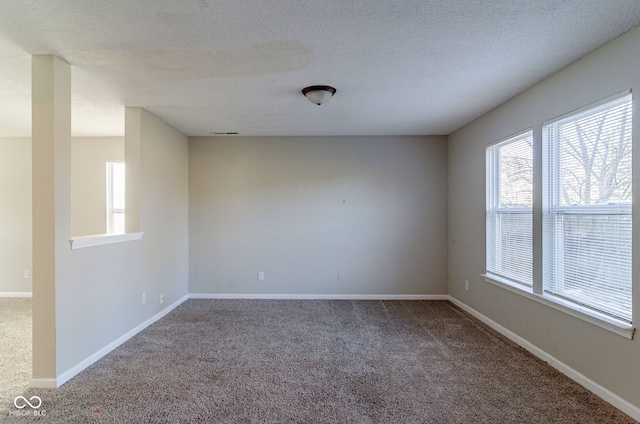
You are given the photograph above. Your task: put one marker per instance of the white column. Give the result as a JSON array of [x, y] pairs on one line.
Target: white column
[[51, 164]]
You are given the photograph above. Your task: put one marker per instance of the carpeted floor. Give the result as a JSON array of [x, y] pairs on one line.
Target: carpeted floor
[[282, 361], [15, 347]]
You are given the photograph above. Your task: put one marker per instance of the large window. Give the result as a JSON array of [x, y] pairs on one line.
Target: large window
[[584, 203], [587, 208], [509, 209]]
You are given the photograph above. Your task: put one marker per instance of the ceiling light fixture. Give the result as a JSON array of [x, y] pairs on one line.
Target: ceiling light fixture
[[318, 94]]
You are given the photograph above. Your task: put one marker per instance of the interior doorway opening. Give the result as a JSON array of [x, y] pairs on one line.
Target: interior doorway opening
[[15, 267]]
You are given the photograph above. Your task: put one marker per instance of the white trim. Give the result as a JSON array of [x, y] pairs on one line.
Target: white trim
[[75, 370], [625, 406], [527, 132], [588, 109], [584, 314], [16, 294], [100, 239], [319, 296], [43, 383]]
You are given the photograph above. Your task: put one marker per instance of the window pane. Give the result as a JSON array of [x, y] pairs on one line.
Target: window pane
[[593, 266], [595, 157], [516, 173], [514, 257]]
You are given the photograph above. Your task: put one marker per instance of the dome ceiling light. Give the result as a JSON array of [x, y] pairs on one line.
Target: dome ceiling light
[[318, 94]]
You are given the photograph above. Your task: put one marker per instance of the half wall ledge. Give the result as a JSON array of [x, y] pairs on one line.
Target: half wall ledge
[[100, 239]]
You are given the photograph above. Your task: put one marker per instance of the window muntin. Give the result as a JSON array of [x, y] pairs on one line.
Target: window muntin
[[509, 176], [587, 210]]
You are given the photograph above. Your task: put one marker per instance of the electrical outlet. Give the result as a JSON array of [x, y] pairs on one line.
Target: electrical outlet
[[27, 274], [466, 285], [161, 298], [260, 276], [144, 297], [340, 276]]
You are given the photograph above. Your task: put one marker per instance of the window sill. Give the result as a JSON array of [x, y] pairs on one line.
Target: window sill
[[592, 317], [100, 239]]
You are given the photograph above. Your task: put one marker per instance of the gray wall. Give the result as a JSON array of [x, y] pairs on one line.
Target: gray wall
[[88, 182], [608, 359], [98, 294], [15, 214], [303, 209]]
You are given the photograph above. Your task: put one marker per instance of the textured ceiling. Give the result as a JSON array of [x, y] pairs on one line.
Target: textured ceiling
[[409, 67]]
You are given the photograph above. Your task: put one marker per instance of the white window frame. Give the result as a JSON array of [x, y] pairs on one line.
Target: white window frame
[[536, 292], [494, 211]]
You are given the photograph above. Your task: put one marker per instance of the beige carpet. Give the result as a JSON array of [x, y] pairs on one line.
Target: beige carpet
[[294, 361], [15, 348]]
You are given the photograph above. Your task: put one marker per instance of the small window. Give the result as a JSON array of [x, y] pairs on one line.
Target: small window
[[115, 197], [509, 179], [587, 208]]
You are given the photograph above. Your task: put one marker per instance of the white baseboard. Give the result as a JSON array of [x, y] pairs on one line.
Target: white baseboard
[[69, 374], [320, 296], [607, 395], [43, 383], [16, 294], [627, 407]]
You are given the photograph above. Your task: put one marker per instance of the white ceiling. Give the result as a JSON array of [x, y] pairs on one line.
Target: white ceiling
[[404, 67]]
